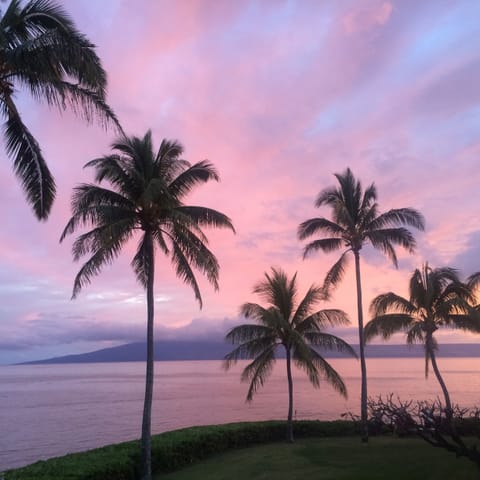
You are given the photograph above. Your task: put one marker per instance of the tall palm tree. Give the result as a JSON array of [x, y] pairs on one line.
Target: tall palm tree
[[437, 298], [146, 196], [42, 51], [296, 327], [356, 222]]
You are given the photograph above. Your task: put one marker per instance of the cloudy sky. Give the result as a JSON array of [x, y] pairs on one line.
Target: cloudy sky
[[279, 95]]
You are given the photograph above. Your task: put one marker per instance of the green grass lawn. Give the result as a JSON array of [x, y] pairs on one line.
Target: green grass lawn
[[333, 459]]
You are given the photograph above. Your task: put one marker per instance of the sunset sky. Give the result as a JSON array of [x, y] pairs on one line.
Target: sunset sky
[[279, 95]]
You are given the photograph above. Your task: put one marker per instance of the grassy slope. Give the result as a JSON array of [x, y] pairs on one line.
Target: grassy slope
[[333, 458]]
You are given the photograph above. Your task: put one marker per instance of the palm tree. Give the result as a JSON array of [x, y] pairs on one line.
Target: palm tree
[[41, 50], [437, 299], [146, 196], [294, 326], [355, 223]]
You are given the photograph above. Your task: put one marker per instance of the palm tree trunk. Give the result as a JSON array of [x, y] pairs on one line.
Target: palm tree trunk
[[147, 406], [363, 365], [290, 398], [431, 354]]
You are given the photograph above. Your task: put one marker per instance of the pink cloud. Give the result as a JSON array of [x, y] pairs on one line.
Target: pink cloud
[[364, 18], [279, 96]]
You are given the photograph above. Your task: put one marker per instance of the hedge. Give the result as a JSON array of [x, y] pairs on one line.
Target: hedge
[[172, 450]]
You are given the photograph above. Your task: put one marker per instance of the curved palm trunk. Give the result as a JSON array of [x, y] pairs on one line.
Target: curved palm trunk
[[363, 365], [290, 398], [147, 406], [431, 354]]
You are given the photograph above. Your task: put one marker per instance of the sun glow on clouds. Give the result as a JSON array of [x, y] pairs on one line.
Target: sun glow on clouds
[[279, 96]]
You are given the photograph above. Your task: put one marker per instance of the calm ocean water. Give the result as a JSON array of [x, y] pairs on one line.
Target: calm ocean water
[[51, 410]]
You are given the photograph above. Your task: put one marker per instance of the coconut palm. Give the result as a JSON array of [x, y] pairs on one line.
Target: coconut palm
[[290, 325], [356, 222], [437, 298], [146, 197], [43, 52]]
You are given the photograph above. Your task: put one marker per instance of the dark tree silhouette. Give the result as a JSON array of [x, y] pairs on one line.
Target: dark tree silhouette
[[294, 327], [355, 222], [146, 197], [437, 299], [42, 52]]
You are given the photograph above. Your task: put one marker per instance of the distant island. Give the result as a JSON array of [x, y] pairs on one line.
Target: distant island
[[216, 350]]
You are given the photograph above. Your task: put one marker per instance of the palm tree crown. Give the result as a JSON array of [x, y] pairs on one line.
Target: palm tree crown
[[293, 325], [437, 298], [147, 196], [355, 222], [42, 51]]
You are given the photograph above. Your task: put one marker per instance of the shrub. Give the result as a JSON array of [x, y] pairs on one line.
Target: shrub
[[172, 450]]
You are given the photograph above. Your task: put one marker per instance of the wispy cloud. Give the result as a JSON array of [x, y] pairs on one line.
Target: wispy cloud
[[279, 96]]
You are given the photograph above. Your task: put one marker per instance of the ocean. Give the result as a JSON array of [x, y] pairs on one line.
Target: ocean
[[52, 410]]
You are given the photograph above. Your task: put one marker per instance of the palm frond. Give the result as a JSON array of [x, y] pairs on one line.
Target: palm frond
[[331, 376], [458, 296], [254, 311], [102, 236], [160, 241], [449, 307], [467, 323], [303, 359], [336, 272], [258, 371], [311, 298], [43, 52], [331, 317], [195, 251], [387, 325], [21, 24], [28, 163], [43, 15], [383, 240], [168, 163], [206, 217], [198, 173], [269, 317], [184, 270], [367, 215], [44, 46], [102, 256], [56, 55], [249, 349], [328, 196], [415, 334], [115, 169], [85, 103], [142, 261], [348, 211], [327, 245], [391, 302], [398, 217], [94, 205], [247, 332], [319, 225], [418, 288], [154, 192], [439, 281], [387, 248], [369, 200], [329, 342], [279, 291], [473, 281]]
